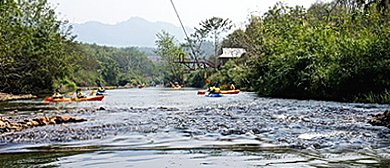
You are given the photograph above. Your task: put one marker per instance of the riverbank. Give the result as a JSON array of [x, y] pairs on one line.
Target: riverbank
[[8, 97]]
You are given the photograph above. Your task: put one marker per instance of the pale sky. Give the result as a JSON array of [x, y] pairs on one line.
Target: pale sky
[[191, 12]]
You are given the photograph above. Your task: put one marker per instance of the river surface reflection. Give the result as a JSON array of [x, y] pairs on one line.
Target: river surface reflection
[[159, 127]]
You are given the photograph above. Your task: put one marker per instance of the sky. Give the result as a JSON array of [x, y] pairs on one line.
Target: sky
[[191, 12]]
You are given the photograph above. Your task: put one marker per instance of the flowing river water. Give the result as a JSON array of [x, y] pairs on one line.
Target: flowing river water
[[159, 127]]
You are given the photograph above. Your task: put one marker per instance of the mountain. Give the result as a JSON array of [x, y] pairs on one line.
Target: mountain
[[134, 32]]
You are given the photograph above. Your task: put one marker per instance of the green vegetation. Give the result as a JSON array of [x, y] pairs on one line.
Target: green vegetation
[[214, 27], [331, 51], [32, 47], [37, 54], [119, 66], [169, 51]]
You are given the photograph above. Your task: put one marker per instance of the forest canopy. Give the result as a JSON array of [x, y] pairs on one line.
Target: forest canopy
[[38, 54], [333, 51]]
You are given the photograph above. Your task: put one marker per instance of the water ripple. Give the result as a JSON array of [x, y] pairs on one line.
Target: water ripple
[[138, 126]]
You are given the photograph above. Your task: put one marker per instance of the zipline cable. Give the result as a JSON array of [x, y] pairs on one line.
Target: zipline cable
[[185, 32]]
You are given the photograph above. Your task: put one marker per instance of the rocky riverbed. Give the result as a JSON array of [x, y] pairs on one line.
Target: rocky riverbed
[[7, 125], [382, 119], [158, 127]]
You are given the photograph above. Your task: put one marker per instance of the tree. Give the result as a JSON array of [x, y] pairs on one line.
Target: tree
[[194, 43], [110, 71], [32, 46], [214, 27], [169, 52], [333, 51]]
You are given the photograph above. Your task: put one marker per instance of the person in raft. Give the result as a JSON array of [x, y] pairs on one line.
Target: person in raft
[[214, 90], [101, 89], [176, 84], [57, 94], [232, 87], [80, 94]]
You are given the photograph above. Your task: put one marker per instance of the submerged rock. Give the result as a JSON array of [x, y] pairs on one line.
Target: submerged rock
[[8, 97], [8, 126], [381, 119]]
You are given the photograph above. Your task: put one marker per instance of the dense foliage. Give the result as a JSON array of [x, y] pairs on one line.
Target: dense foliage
[[334, 51], [119, 66], [330, 51], [38, 54], [32, 47], [169, 50]]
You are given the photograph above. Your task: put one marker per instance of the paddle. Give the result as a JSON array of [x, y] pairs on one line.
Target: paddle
[[71, 94], [205, 78], [92, 92]]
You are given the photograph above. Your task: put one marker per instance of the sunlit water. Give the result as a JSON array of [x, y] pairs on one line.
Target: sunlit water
[[159, 127]]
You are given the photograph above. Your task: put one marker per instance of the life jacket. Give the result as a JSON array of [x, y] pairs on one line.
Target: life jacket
[[57, 95], [101, 89], [211, 89], [217, 90], [80, 95]]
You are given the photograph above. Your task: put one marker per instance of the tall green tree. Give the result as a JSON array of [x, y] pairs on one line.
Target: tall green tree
[[214, 27], [169, 51], [32, 46], [194, 45]]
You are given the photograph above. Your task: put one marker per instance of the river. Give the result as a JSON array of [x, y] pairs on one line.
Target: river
[[160, 127]]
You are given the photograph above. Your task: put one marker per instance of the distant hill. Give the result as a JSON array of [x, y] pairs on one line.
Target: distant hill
[[134, 32]]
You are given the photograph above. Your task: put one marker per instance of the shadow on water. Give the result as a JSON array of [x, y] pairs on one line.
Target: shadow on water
[[159, 127], [12, 107], [34, 159]]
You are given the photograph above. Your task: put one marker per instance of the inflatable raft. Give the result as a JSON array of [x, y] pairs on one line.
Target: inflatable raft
[[214, 95], [222, 92], [93, 98]]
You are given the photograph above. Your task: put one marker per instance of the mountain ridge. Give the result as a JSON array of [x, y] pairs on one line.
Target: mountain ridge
[[135, 31]]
